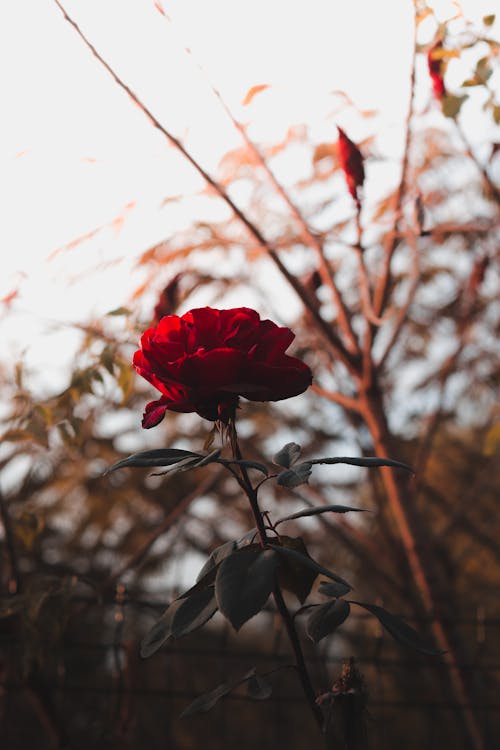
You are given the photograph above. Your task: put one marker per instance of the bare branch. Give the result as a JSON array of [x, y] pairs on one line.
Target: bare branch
[[309, 237], [347, 402], [403, 310], [382, 286], [337, 346]]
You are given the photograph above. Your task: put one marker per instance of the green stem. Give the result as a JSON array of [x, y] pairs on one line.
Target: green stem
[[293, 637]]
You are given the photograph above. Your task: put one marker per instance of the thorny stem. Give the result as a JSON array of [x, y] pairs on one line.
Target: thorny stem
[[300, 663]]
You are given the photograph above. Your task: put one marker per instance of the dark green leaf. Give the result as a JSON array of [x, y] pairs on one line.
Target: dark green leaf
[[183, 465], [259, 688], [248, 538], [326, 618], [333, 589], [400, 630], [247, 464], [292, 575], [288, 455], [207, 579], [184, 615], [208, 700], [160, 632], [194, 612], [218, 554], [216, 557], [296, 476], [309, 563], [321, 509], [158, 457], [243, 583], [368, 462], [209, 458]]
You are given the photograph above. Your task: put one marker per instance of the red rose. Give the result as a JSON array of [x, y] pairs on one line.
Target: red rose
[[351, 161], [204, 360]]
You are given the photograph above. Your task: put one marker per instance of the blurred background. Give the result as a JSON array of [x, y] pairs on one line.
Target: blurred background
[[109, 223]]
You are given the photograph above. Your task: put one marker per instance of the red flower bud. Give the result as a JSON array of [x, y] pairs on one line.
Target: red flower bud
[[435, 65], [206, 359], [351, 161]]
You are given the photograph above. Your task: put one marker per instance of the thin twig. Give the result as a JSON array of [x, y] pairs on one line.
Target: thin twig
[[337, 346], [299, 656], [410, 296], [491, 188], [307, 235], [382, 286], [347, 402]]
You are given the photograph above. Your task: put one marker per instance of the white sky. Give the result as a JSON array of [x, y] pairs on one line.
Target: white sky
[[75, 152]]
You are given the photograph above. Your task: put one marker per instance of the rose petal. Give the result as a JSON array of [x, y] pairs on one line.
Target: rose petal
[[153, 414], [276, 382]]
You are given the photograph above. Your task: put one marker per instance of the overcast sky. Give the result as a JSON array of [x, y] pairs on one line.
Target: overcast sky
[[76, 154]]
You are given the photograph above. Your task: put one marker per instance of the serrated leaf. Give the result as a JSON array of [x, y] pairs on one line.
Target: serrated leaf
[[208, 700], [259, 688], [451, 104], [320, 509], [308, 562], [292, 575], [326, 618], [194, 612], [288, 455], [368, 462], [157, 457], [296, 476], [333, 589], [400, 630], [243, 583]]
